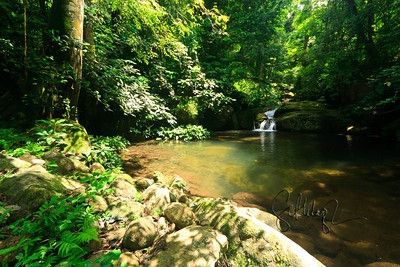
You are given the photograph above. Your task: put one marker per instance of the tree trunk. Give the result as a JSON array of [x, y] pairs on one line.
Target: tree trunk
[[68, 18], [25, 3]]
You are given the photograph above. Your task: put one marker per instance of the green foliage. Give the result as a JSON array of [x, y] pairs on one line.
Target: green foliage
[[4, 213], [105, 151], [17, 144], [11, 139], [57, 233], [98, 183], [184, 133], [66, 135], [60, 231]]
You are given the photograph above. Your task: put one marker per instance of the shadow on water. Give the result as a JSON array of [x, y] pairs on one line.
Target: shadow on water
[[363, 174]]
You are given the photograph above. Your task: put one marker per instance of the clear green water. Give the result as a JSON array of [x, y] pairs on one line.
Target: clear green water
[[363, 174]]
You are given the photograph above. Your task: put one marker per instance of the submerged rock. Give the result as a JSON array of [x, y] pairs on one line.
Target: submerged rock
[[191, 246], [140, 234], [179, 214]]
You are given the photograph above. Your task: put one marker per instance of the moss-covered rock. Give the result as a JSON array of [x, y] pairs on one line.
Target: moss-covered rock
[[125, 209], [157, 197], [31, 187], [308, 116], [77, 139], [123, 188]]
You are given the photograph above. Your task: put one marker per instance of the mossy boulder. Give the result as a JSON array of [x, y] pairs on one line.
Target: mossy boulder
[[76, 139], [31, 187], [250, 238], [124, 188], [308, 116]]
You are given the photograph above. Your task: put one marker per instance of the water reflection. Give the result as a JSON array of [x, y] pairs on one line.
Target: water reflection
[[267, 140], [363, 174]]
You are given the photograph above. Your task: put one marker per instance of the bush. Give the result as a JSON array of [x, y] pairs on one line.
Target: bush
[[105, 151], [10, 139], [184, 133]]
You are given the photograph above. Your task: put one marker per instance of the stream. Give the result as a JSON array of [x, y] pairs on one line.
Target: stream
[[336, 195]]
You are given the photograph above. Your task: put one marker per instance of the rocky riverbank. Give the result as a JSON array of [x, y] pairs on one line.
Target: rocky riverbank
[[151, 221]]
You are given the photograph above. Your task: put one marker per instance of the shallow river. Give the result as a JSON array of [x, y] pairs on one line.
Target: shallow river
[[361, 174]]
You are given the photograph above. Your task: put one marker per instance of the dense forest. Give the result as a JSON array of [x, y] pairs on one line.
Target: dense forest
[[81, 79], [132, 67]]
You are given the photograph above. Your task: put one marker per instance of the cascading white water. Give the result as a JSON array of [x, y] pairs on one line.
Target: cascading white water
[[269, 124]]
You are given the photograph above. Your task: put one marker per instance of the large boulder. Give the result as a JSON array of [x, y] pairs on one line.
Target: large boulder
[[140, 234], [157, 197], [191, 246], [308, 116], [179, 214], [31, 187], [70, 165], [252, 238]]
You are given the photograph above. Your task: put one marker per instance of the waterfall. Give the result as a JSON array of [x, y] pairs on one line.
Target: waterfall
[[268, 124]]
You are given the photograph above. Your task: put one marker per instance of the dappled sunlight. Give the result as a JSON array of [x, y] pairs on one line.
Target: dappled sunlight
[[253, 170], [318, 172]]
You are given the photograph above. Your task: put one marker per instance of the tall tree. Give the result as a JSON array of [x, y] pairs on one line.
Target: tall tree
[[68, 16]]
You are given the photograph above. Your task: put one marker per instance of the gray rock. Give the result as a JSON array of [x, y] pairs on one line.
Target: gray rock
[[183, 199], [53, 155], [140, 234], [179, 214], [8, 163], [73, 185], [126, 209], [179, 183], [32, 159], [191, 246], [123, 188], [156, 197]]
